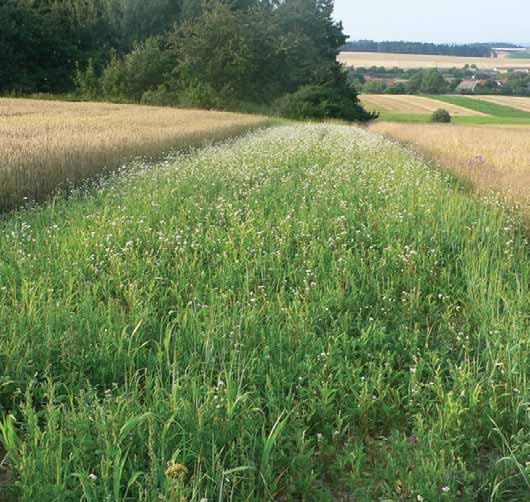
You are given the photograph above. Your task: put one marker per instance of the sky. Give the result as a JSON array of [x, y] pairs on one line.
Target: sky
[[438, 21]]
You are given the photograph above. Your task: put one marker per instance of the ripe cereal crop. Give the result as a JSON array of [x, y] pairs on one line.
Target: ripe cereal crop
[[46, 145]]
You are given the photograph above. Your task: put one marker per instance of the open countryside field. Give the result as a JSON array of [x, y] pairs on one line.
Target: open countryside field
[[521, 54], [412, 61], [484, 106], [521, 103], [45, 144], [464, 109], [492, 156], [410, 104], [307, 313]]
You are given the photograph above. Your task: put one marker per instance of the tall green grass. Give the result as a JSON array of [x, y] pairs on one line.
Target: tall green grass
[[483, 106], [456, 119], [520, 55], [405, 117], [308, 313]]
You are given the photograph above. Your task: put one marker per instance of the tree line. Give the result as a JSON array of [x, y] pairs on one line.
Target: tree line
[[426, 81], [43, 41], [402, 47], [211, 53]]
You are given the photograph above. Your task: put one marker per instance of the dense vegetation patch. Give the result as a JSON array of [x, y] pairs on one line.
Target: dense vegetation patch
[[229, 54], [322, 102], [300, 314], [381, 80], [441, 116]]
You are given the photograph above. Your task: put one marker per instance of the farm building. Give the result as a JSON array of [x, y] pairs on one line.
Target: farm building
[[488, 73], [467, 86]]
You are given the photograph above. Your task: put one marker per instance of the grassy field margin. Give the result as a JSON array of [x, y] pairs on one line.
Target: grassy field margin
[[483, 106], [306, 313], [462, 119]]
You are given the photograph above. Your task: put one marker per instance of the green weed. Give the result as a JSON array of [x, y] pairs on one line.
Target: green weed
[[307, 313]]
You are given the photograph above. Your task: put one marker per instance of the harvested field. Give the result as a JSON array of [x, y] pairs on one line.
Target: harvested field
[[410, 104], [521, 103], [411, 61], [45, 144], [491, 156]]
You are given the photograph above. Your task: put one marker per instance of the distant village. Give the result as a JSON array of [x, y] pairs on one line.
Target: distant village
[[496, 78], [468, 80]]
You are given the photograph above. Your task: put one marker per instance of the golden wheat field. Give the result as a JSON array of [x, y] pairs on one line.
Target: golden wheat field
[[521, 103], [44, 144], [413, 61], [492, 156], [410, 104]]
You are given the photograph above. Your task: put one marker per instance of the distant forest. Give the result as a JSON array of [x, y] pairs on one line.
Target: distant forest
[[401, 47]]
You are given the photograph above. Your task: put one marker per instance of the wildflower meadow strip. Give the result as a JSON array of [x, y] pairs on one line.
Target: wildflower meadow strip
[[306, 313]]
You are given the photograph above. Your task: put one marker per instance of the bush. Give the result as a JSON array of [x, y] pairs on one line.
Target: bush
[[160, 96], [375, 87], [441, 116], [86, 81], [197, 94], [397, 88], [322, 102], [140, 72]]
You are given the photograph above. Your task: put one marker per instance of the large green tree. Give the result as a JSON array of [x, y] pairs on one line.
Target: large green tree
[[217, 53], [38, 45], [229, 53], [247, 48], [42, 41]]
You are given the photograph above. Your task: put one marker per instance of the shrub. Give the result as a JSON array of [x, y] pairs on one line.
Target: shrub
[[141, 71], [397, 88], [375, 87], [441, 116], [322, 102], [86, 81], [161, 96], [197, 94]]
